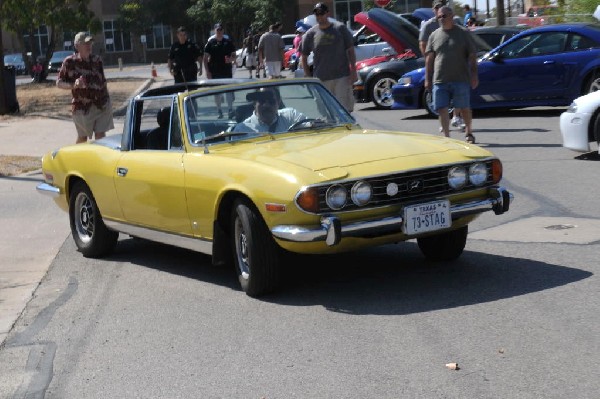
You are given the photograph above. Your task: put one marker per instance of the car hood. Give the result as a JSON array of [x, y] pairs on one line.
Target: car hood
[[336, 154], [399, 33]]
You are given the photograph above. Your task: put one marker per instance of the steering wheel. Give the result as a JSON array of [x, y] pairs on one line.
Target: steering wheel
[[299, 123]]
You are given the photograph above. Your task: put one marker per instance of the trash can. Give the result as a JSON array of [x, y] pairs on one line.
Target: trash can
[[10, 89]]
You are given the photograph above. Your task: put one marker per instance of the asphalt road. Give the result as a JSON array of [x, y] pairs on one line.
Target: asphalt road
[[518, 311]]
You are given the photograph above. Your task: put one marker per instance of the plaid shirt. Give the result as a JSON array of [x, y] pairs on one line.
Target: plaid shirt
[[96, 91]]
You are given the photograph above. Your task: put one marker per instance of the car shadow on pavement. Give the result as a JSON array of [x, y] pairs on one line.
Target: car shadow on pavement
[[392, 279]]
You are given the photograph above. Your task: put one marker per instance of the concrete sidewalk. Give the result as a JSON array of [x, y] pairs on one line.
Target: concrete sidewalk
[[33, 228]]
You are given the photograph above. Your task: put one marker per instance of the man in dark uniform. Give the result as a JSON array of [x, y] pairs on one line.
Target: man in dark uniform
[[185, 58], [219, 56]]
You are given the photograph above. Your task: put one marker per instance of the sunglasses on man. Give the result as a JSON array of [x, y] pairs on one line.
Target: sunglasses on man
[[319, 13], [442, 16]]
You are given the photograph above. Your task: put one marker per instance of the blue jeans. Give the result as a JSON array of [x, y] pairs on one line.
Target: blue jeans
[[457, 92]]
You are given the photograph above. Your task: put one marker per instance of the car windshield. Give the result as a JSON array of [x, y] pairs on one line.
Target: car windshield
[[60, 55], [259, 110], [13, 58]]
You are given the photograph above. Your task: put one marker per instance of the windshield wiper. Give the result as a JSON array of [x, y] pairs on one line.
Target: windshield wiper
[[311, 124], [219, 136]]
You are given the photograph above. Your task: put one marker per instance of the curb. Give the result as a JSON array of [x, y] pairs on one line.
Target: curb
[[123, 107]]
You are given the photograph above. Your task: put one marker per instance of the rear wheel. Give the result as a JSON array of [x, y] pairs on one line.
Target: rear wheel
[[381, 90], [592, 84], [255, 252], [445, 246], [596, 127], [92, 237]]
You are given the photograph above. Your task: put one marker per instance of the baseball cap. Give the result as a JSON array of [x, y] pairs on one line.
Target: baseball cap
[[181, 29], [321, 7], [300, 29], [262, 95], [439, 3], [218, 26], [83, 37]]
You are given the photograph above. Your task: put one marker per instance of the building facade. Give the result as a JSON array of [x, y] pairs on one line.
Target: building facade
[[116, 45]]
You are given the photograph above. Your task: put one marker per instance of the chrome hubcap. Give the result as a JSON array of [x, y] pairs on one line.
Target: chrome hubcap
[[241, 249], [84, 217]]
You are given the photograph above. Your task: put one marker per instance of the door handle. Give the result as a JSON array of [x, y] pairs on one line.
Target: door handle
[[121, 171]]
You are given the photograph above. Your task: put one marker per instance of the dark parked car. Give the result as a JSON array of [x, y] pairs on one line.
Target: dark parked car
[[496, 35], [16, 61], [57, 59], [549, 65]]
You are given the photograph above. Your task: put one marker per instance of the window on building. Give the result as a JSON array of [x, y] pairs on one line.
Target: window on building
[[115, 38], [159, 37], [345, 10], [40, 42]]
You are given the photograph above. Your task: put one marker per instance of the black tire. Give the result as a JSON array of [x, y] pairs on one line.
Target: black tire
[[427, 101], [381, 90], [92, 237], [256, 257], [596, 127], [592, 84], [445, 246]]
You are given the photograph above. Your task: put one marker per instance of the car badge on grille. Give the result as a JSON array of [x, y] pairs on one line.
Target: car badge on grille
[[414, 186], [391, 189]]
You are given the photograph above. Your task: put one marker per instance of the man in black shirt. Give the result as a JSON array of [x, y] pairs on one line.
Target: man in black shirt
[[219, 55], [185, 58]]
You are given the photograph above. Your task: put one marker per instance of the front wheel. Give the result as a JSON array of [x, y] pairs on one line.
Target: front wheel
[[445, 246], [256, 254], [593, 84], [92, 237], [427, 100], [381, 91]]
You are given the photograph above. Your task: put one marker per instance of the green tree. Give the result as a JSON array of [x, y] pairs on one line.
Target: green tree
[[23, 17]]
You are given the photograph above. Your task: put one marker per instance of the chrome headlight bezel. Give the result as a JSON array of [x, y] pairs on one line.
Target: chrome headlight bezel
[[361, 193], [336, 197], [478, 174], [457, 177]]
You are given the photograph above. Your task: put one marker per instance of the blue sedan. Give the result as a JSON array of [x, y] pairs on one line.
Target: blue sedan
[[545, 66]]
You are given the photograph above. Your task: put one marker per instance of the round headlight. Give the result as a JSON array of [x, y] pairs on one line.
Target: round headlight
[[361, 193], [457, 177], [477, 174], [336, 196]]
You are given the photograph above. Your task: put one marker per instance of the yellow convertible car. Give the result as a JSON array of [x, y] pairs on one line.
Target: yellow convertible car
[[246, 170]]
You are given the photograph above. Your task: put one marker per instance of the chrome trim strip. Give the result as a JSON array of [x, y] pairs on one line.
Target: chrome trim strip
[[194, 244], [329, 231], [48, 189]]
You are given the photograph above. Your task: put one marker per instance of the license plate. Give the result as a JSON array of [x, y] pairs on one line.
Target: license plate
[[431, 216]]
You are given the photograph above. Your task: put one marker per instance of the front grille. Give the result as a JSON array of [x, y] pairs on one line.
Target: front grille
[[433, 183]]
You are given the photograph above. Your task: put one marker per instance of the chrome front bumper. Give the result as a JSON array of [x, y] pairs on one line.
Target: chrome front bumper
[[48, 189], [331, 230]]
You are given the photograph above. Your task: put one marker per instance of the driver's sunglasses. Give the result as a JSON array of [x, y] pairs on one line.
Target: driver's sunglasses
[[319, 13], [442, 16], [267, 100]]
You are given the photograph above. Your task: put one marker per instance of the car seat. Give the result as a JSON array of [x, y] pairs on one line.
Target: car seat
[[158, 138]]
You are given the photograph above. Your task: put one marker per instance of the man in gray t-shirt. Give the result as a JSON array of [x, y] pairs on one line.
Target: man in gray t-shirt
[[334, 60], [451, 70], [429, 26], [270, 51]]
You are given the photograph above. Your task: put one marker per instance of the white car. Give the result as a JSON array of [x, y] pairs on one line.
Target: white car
[[580, 123]]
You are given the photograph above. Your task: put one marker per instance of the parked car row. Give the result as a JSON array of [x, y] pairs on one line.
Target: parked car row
[[549, 65]]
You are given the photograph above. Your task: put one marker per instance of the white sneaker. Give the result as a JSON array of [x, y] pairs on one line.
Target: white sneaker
[[455, 121]]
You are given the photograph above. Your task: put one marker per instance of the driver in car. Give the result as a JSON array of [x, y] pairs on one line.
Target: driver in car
[[267, 116]]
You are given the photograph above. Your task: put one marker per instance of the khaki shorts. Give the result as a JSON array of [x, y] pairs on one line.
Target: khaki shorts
[[342, 90], [96, 120], [273, 68]]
